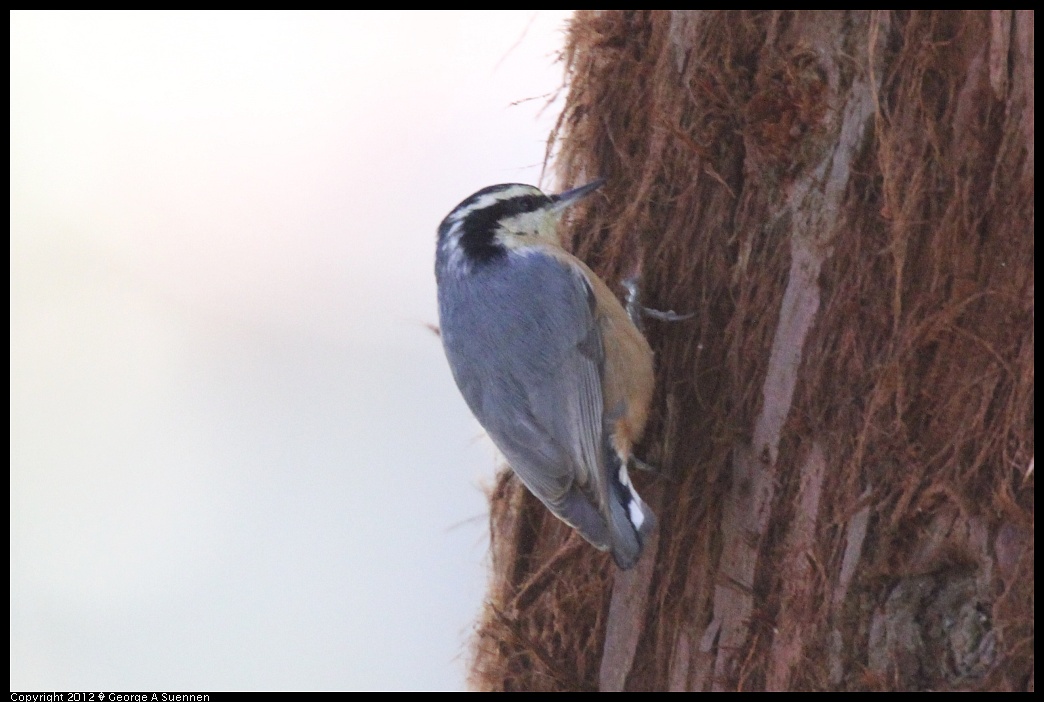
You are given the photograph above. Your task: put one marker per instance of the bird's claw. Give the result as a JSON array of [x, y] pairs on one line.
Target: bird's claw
[[636, 310]]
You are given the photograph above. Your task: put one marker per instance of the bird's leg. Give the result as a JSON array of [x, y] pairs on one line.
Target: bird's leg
[[635, 309], [643, 466], [634, 302]]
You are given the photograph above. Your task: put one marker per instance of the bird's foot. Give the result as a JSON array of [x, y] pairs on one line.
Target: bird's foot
[[636, 310]]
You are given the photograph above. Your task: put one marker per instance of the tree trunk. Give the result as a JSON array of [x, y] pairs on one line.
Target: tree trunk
[[844, 431]]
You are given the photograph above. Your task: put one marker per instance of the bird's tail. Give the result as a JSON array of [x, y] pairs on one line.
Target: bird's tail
[[622, 528], [630, 520]]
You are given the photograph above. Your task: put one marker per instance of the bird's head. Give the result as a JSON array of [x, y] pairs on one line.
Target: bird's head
[[501, 218]]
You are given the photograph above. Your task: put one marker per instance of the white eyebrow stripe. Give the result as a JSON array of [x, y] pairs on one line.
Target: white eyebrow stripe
[[492, 198]]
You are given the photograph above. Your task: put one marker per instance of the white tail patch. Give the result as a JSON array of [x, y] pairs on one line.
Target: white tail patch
[[634, 506], [637, 515]]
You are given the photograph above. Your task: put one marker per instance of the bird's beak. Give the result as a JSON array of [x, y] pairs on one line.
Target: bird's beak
[[570, 197]]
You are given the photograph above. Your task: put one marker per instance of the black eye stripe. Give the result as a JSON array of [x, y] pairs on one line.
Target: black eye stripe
[[520, 205]]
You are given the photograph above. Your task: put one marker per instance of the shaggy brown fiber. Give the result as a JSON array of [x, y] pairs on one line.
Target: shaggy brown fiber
[[844, 431]]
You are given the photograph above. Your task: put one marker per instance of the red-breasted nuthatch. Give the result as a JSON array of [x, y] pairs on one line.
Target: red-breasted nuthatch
[[547, 359]]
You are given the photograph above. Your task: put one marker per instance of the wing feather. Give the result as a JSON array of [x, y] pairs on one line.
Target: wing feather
[[526, 351]]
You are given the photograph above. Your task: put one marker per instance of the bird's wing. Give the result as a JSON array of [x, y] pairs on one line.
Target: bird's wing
[[526, 351], [561, 386]]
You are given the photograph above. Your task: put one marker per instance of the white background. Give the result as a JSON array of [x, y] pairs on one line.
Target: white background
[[238, 460]]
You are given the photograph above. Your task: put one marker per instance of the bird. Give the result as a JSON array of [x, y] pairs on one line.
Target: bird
[[547, 359]]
